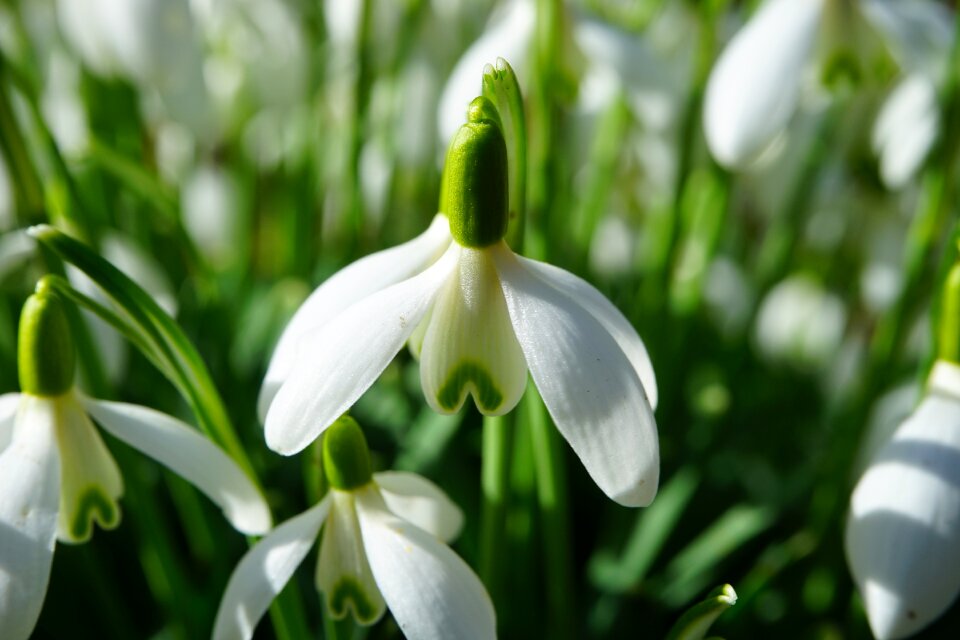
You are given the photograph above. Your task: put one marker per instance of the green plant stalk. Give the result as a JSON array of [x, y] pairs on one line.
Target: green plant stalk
[[360, 99], [501, 87], [26, 181], [554, 520], [689, 127], [494, 480], [948, 344]]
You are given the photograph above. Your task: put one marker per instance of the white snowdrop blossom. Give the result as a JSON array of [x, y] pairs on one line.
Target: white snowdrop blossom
[[479, 317], [903, 530], [58, 476], [383, 545], [755, 85]]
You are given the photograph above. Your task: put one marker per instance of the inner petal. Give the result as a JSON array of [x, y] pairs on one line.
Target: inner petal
[[343, 573], [90, 480], [469, 345]]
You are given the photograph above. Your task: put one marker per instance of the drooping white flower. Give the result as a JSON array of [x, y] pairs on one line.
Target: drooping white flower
[[755, 85], [906, 129], [383, 545], [479, 317], [903, 530], [58, 476]]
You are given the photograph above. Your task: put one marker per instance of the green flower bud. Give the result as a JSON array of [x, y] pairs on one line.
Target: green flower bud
[[474, 194], [47, 358], [346, 458]]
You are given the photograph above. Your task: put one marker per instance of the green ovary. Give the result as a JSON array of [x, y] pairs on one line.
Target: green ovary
[[348, 593], [485, 392], [93, 504]]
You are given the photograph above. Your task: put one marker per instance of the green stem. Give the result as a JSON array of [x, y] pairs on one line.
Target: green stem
[[554, 520], [27, 184], [494, 477], [948, 344], [361, 90]]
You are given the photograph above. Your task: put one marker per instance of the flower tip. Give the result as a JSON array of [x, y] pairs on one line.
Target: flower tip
[[40, 231], [251, 519], [639, 495]]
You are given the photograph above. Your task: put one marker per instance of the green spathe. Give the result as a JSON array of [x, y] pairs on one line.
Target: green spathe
[[46, 354], [474, 194], [346, 459]]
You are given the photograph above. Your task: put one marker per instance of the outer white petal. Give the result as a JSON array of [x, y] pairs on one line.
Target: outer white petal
[[508, 36], [264, 571], [584, 293], [90, 481], [431, 592], [906, 129], [417, 500], [346, 287], [342, 360], [918, 32], [9, 402], [186, 452], [469, 346], [904, 523], [343, 572], [29, 501], [588, 384], [754, 86]]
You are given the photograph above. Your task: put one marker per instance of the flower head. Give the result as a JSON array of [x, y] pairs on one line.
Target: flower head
[[382, 545], [58, 476], [903, 531], [479, 317]]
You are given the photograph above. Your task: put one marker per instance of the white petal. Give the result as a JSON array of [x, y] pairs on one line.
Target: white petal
[[905, 129], [343, 573], [606, 313], [346, 287], [509, 37], [754, 86], [470, 346], [9, 402], [342, 360], [91, 483], [29, 501], [589, 386], [417, 500], [904, 522], [264, 571], [919, 32], [431, 592], [186, 452]]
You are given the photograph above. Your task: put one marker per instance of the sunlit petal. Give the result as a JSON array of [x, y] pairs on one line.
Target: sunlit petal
[[431, 592], [29, 501], [264, 571], [754, 86], [343, 573], [585, 294], [904, 520], [189, 454], [349, 285], [905, 129], [417, 500], [589, 386], [91, 481], [347, 355], [470, 346]]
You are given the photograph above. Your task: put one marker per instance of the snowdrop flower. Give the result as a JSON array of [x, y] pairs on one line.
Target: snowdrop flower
[[754, 88], [58, 476], [479, 317], [382, 545], [903, 531]]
